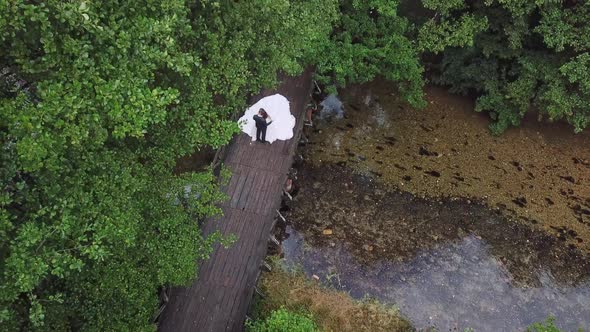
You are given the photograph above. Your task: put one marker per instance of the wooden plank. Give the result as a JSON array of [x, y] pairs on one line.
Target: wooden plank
[[257, 156], [233, 181], [210, 310], [221, 255], [234, 296], [245, 239], [248, 187], [254, 222], [279, 163], [237, 157], [254, 199], [284, 148], [268, 197], [239, 187], [236, 250], [253, 154], [239, 308], [277, 189], [235, 304], [285, 164], [274, 162], [264, 181], [226, 226], [217, 316], [275, 197], [240, 274], [199, 306], [241, 152], [236, 226], [231, 152], [259, 203], [254, 189], [245, 152], [260, 200], [266, 163]]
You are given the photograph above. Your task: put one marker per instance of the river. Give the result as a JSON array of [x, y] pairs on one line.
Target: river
[[425, 209]]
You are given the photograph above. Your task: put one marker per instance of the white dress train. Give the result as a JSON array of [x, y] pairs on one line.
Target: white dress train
[[277, 107]]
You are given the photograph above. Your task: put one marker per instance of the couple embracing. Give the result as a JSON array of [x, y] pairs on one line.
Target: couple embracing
[[262, 120]]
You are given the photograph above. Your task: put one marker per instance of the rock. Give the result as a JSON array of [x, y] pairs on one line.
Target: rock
[[327, 231], [316, 185]]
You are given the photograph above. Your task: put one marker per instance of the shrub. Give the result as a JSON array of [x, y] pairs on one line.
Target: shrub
[[547, 326], [282, 320]]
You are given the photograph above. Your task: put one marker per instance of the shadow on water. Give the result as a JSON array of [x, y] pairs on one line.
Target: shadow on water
[[451, 264]]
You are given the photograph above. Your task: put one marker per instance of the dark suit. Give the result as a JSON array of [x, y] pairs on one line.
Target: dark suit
[[260, 128]]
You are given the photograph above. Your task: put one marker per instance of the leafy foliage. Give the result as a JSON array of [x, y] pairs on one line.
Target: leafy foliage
[[517, 56], [547, 326], [282, 320], [109, 94], [92, 219], [369, 39]]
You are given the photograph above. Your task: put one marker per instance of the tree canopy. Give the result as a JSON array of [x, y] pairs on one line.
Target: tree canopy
[[517, 56], [114, 93], [371, 39], [98, 99]]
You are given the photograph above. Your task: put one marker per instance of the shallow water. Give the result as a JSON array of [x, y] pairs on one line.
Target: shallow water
[[453, 286], [458, 229], [539, 171], [449, 263]]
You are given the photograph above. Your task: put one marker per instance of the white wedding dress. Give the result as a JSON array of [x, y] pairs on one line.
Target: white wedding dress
[[277, 107]]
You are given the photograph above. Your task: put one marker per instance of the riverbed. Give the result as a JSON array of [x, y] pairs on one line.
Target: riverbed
[[425, 209]]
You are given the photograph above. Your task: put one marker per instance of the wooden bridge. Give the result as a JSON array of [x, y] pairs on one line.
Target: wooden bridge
[[219, 298]]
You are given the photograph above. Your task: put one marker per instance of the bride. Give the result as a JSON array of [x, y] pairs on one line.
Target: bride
[[275, 107]]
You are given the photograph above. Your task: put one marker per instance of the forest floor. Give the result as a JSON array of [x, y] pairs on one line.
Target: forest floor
[[425, 209]]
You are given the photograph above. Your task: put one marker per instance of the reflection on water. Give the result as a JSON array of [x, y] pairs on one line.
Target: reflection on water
[[453, 285], [331, 107]]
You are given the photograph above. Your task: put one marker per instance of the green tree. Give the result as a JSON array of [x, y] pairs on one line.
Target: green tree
[[370, 39], [547, 326], [281, 320], [92, 218], [518, 56]]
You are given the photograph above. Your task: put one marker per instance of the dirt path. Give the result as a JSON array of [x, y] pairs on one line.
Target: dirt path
[[538, 173]]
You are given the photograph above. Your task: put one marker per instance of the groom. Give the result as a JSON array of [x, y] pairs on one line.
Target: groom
[[261, 125]]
